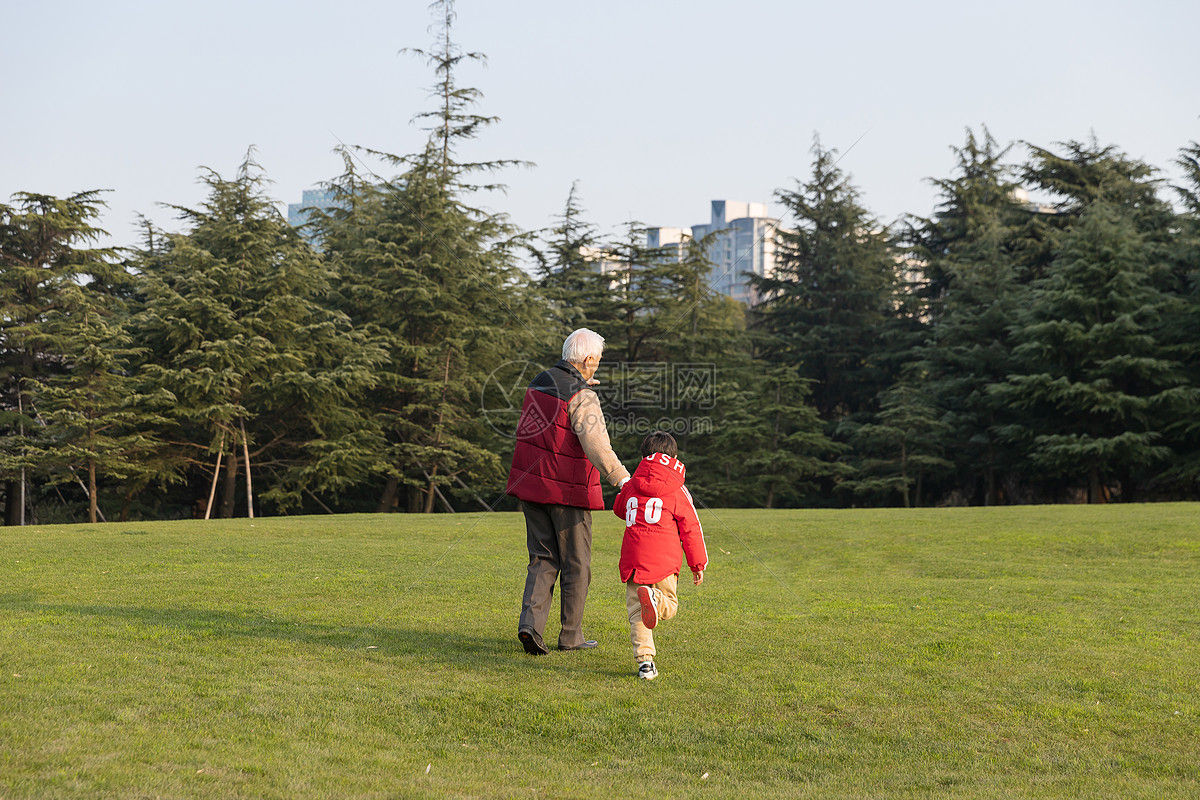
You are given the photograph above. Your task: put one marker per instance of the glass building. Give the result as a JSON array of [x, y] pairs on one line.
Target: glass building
[[297, 213]]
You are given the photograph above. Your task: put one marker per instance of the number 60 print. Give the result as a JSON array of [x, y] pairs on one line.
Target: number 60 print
[[652, 512]]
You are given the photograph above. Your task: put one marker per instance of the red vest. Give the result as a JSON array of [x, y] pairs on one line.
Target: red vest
[[549, 465]]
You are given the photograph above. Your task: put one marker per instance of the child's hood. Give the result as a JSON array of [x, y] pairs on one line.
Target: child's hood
[[658, 474]]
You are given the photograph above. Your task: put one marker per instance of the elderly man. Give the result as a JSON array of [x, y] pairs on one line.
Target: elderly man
[[562, 452]]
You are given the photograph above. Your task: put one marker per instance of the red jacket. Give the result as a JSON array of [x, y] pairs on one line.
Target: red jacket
[[659, 515], [549, 465]]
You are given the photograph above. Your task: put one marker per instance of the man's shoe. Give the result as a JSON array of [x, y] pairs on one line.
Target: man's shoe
[[647, 671], [587, 644], [649, 609], [532, 643]]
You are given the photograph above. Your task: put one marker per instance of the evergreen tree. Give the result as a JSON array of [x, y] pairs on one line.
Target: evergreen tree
[[434, 283], [571, 271], [978, 197], [693, 322], [832, 296], [1082, 174], [97, 420], [453, 120], [973, 296], [46, 247], [768, 448], [896, 453], [1179, 326], [263, 375], [1093, 379], [641, 285], [969, 350]]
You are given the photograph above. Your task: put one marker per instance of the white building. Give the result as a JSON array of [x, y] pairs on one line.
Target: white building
[[605, 264], [744, 243]]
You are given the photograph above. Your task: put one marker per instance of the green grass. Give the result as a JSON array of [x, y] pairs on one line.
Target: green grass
[[1016, 652]]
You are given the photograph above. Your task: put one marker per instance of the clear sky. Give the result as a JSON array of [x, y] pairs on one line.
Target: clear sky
[[656, 108]]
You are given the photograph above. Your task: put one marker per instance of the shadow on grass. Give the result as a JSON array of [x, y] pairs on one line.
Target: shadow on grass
[[452, 648]]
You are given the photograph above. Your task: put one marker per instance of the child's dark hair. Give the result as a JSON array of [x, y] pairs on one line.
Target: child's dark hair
[[659, 442]]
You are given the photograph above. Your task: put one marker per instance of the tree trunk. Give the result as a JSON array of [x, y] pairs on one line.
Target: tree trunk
[[12, 499], [1129, 489], [770, 495], [388, 500], [21, 429], [212, 492], [92, 505], [990, 498], [249, 485], [124, 517], [429, 495], [415, 499], [229, 489], [1095, 495]]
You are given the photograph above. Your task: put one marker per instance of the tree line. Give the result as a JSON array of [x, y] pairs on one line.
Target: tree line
[[997, 351]]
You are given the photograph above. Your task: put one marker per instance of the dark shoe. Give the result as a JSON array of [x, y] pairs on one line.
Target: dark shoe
[[532, 643], [588, 644]]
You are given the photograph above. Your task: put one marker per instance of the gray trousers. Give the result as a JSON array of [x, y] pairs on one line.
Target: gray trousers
[[560, 547]]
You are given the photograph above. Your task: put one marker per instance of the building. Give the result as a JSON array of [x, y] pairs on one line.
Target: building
[[311, 198], [743, 242], [1021, 197], [605, 264]]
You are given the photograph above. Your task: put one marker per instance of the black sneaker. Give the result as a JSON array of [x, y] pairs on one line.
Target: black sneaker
[[647, 671], [532, 643]]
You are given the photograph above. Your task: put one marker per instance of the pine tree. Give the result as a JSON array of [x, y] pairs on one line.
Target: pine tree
[[831, 297], [1082, 174], [695, 323], [434, 283], [571, 271], [46, 247], [234, 322], [974, 294], [1179, 326], [640, 286], [1093, 379], [969, 350], [898, 452], [972, 202], [768, 448], [97, 420]]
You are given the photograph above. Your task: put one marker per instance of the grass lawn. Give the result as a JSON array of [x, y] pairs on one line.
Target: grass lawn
[[1011, 652]]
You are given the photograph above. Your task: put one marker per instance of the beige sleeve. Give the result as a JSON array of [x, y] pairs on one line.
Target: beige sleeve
[[587, 420]]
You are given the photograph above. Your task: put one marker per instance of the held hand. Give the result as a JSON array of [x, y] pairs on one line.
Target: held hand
[[697, 577], [593, 382]]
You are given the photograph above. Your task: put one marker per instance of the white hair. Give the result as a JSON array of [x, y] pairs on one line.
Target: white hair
[[581, 344]]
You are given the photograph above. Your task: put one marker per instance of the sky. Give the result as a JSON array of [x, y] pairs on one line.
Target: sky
[[654, 108]]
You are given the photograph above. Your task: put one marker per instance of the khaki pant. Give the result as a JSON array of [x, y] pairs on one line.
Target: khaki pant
[[668, 603]]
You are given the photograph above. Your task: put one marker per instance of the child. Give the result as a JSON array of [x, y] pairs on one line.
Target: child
[[659, 515]]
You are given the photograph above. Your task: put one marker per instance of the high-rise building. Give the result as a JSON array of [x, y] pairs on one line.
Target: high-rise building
[[311, 198], [743, 242]]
